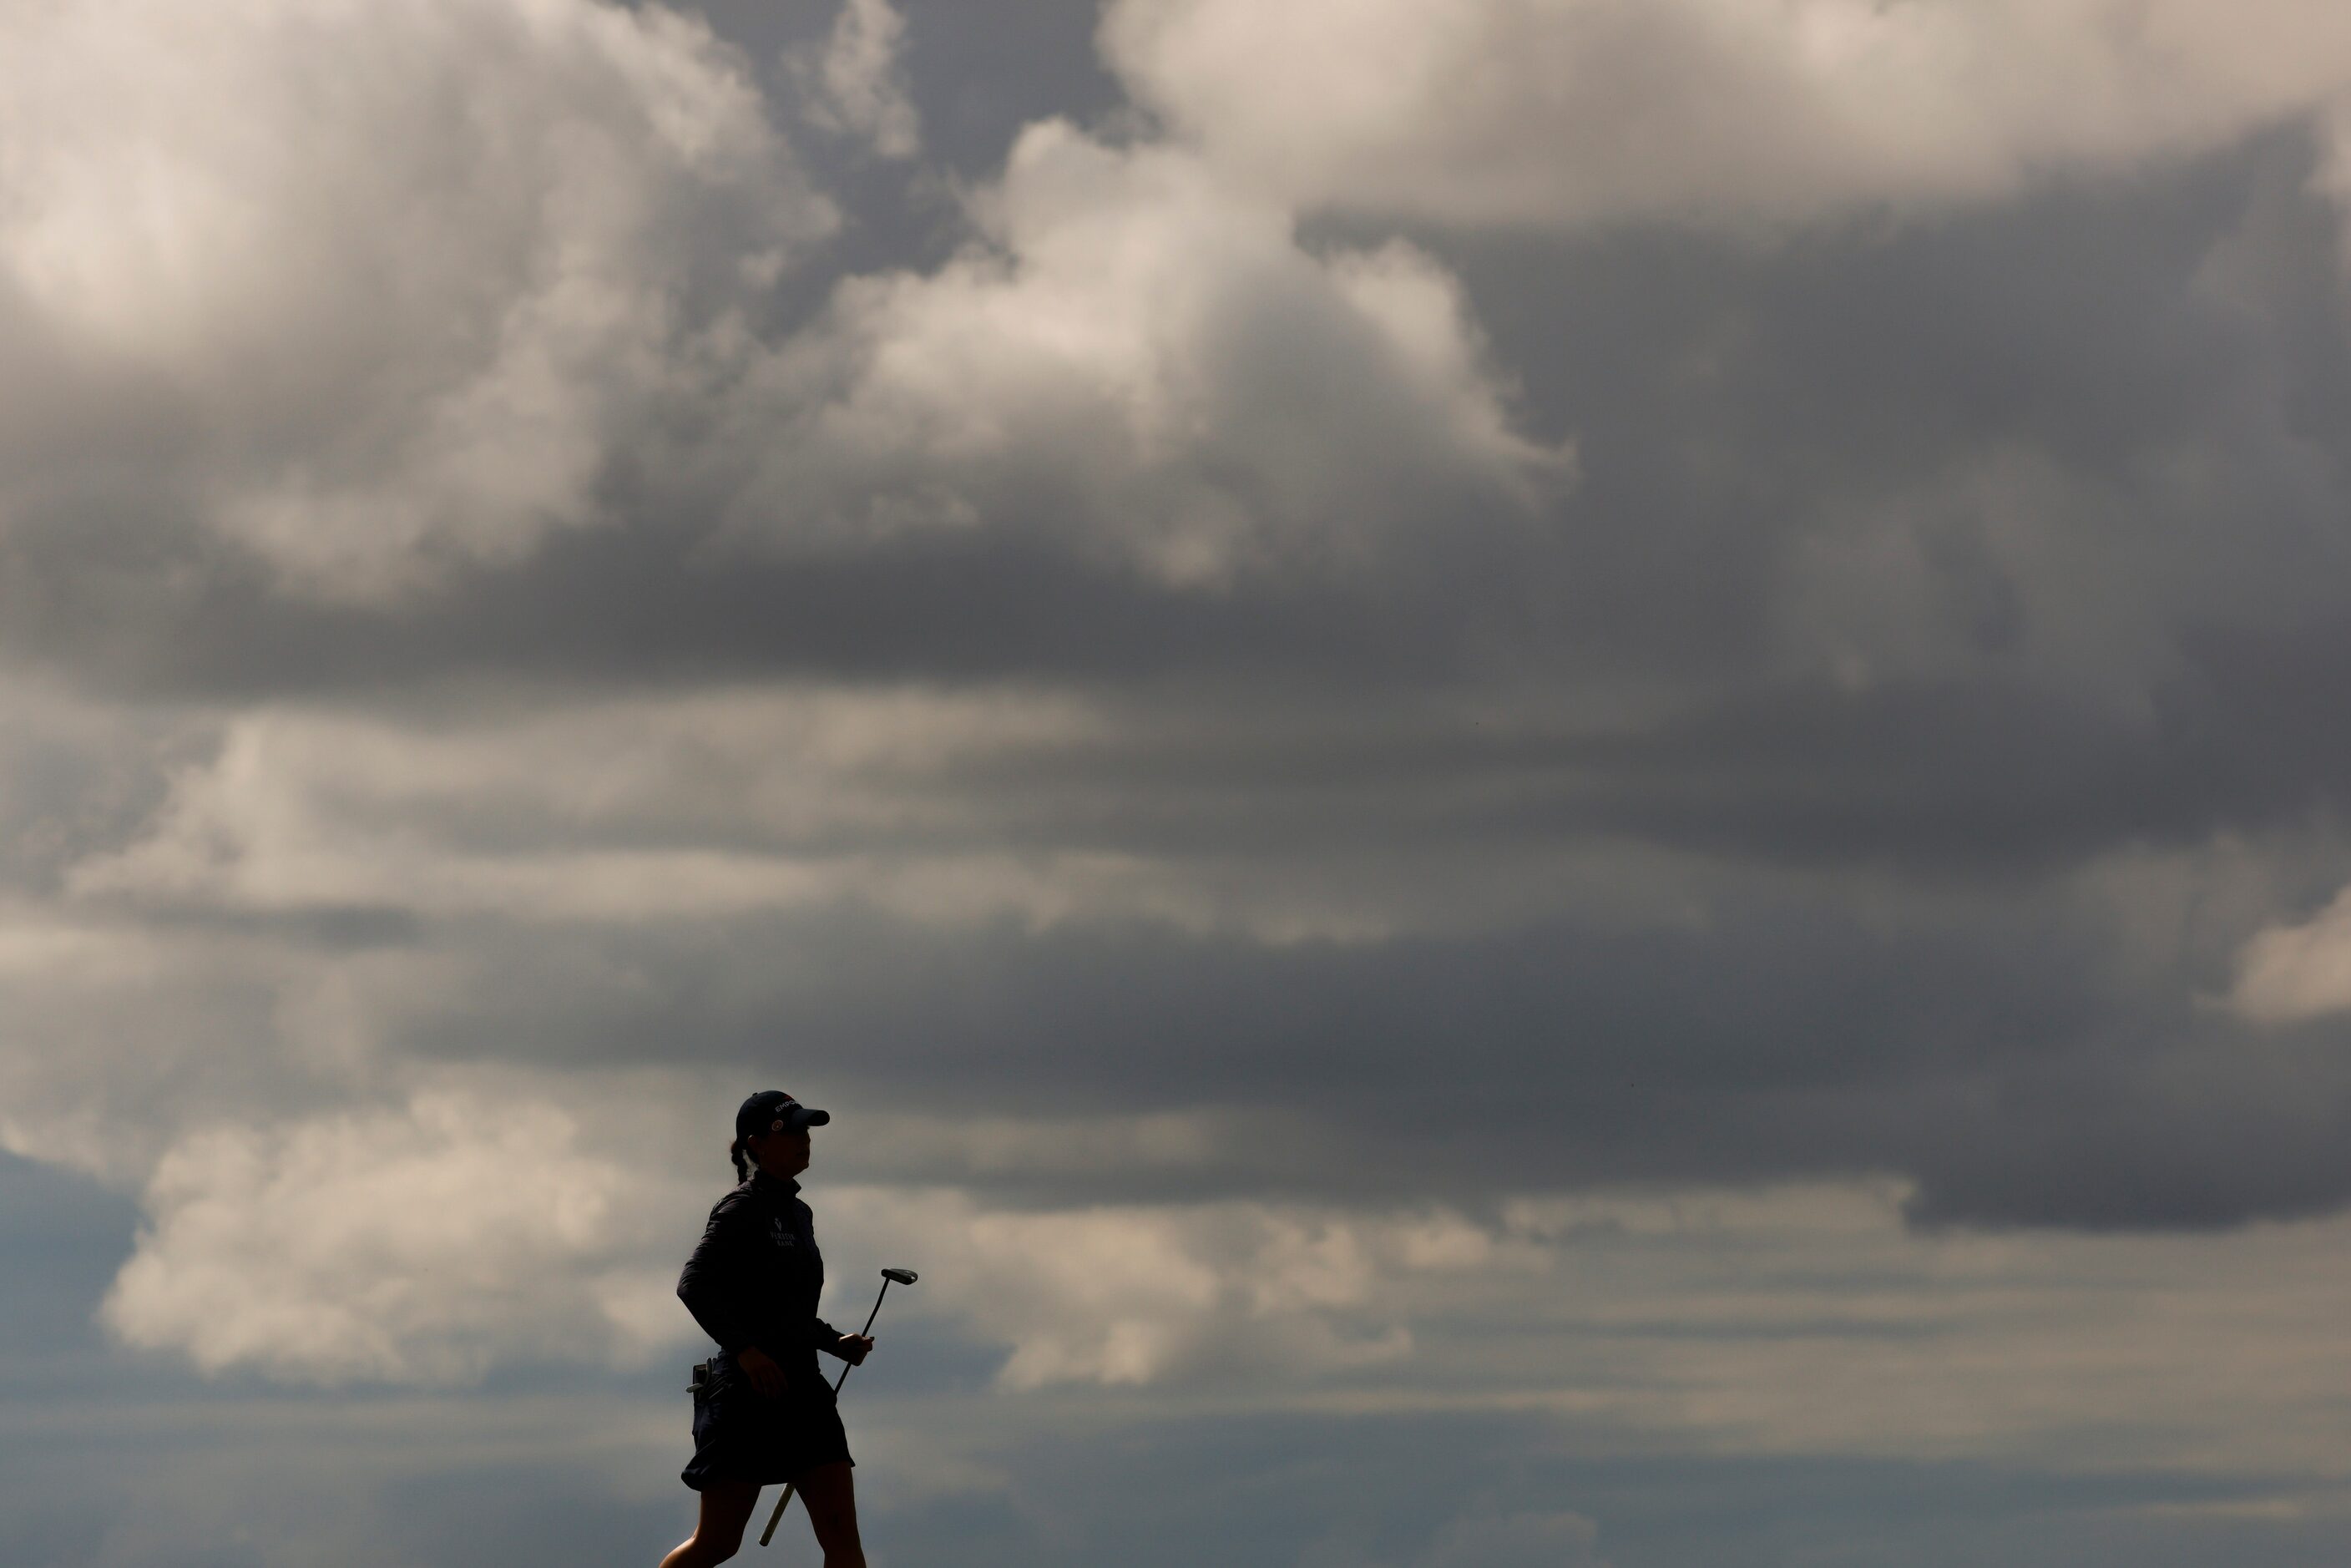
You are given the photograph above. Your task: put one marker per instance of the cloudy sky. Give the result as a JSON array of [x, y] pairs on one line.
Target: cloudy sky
[[1543, 783]]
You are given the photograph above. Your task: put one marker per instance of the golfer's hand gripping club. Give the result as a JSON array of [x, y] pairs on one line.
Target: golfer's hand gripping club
[[888, 1278]]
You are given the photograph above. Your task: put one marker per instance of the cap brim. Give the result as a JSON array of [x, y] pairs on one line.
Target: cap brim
[[801, 1116]]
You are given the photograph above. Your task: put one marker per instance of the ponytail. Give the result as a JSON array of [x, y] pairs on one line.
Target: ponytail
[[735, 1153]]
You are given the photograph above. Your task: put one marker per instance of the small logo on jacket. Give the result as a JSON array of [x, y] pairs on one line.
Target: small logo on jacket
[[782, 1233]]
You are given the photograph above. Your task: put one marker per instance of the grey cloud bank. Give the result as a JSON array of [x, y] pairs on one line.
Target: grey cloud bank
[[1272, 645]]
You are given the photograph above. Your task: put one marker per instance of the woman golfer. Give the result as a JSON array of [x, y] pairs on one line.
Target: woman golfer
[[765, 1413]]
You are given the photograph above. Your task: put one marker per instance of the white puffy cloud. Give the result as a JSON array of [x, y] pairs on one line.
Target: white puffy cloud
[[427, 1240], [2297, 971], [371, 290], [1571, 111], [1134, 1295], [414, 1244], [384, 325], [1148, 364], [476, 1223], [383, 293]]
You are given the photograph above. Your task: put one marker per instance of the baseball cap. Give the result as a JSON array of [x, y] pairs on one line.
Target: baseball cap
[[773, 1110]]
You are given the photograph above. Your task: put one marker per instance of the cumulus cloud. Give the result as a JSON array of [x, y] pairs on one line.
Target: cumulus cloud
[[368, 291], [2297, 971], [425, 1242], [414, 1244], [551, 310], [853, 85], [1144, 366], [1560, 112], [1136, 1295]]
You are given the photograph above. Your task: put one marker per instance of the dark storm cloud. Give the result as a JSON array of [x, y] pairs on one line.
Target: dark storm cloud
[[2209, 1128], [2100, 429], [1951, 777], [642, 607], [1452, 697], [2075, 327], [2083, 324], [1988, 778], [2007, 1062]]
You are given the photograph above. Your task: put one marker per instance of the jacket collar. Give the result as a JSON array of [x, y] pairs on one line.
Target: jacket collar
[[768, 1186]]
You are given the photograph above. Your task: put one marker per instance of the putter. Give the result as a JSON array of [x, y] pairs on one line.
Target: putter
[[888, 1278]]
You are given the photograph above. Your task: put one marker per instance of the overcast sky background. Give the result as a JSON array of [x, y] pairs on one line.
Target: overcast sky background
[[1543, 783]]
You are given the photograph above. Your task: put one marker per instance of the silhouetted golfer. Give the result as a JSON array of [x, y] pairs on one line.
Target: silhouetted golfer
[[763, 1413]]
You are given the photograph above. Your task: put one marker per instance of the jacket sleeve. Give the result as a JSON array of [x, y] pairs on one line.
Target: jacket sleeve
[[715, 1285]]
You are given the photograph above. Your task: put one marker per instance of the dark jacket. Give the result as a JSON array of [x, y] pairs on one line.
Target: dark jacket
[[755, 1278]]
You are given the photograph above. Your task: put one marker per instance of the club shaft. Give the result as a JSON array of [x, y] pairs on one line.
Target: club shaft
[[785, 1502], [848, 1368]]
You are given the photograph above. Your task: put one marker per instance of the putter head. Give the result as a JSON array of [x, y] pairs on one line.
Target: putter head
[[903, 1276]]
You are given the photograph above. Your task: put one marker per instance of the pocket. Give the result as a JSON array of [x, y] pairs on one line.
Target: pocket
[[722, 1379]]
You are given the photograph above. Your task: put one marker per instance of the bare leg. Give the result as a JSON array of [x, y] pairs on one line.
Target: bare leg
[[726, 1509], [831, 1498]]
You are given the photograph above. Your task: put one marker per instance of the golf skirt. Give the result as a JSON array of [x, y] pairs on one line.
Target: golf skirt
[[741, 1435]]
